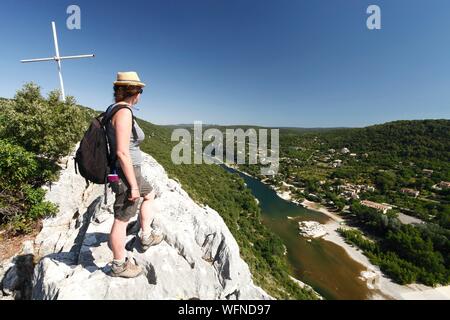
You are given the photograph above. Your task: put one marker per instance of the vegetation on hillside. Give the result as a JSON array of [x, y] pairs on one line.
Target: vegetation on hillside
[[406, 253], [34, 133]]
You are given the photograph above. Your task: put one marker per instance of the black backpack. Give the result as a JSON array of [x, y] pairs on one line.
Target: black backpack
[[93, 158]]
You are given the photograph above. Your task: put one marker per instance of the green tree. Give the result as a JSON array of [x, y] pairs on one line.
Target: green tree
[[385, 181], [47, 127]]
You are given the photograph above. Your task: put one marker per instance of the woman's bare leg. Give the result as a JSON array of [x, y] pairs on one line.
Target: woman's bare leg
[[147, 215], [117, 237]]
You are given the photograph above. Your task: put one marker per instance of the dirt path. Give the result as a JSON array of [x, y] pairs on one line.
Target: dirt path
[[10, 246]]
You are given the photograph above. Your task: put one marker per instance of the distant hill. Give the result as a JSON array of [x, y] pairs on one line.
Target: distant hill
[[295, 130], [285, 130], [423, 140]]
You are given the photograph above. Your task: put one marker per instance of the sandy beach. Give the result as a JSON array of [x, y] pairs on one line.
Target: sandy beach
[[317, 207]]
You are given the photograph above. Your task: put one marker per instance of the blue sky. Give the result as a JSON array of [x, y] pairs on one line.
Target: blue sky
[[310, 63]]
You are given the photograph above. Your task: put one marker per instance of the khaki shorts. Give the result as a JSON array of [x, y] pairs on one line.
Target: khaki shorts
[[125, 209]]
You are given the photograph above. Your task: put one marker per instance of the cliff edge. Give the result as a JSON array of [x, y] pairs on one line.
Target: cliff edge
[[199, 258]]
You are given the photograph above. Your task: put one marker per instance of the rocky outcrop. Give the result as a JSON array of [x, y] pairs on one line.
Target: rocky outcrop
[[199, 258], [16, 274], [311, 229]]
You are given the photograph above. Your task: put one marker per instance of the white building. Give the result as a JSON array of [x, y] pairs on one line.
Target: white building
[[410, 192], [444, 184], [378, 206], [336, 163]]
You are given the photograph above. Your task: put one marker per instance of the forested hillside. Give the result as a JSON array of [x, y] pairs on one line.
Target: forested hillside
[[425, 142]]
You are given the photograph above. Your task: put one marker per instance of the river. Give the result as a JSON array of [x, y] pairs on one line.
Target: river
[[322, 264]]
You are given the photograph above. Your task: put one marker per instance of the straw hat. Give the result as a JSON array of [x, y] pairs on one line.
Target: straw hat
[[130, 78]]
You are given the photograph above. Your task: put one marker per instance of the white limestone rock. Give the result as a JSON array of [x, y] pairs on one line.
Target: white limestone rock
[[199, 257], [311, 229], [16, 272]]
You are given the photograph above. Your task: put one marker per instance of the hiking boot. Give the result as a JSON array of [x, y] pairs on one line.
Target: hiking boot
[[155, 237], [126, 270]]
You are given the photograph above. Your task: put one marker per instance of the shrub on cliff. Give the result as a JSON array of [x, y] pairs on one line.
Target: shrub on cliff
[[20, 203], [34, 133], [45, 126]]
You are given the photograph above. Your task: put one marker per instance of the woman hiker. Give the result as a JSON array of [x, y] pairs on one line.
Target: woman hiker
[[125, 135]]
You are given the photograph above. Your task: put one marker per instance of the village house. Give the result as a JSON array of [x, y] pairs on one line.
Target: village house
[[349, 191], [312, 195], [336, 163], [348, 188], [345, 150], [378, 206], [368, 188], [410, 192], [350, 195], [444, 184], [427, 172], [356, 188]]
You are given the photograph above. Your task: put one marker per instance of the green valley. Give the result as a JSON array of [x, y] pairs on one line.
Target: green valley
[[390, 181]]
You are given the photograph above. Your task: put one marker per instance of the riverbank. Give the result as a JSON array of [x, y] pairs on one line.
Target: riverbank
[[317, 207], [378, 286], [381, 286]]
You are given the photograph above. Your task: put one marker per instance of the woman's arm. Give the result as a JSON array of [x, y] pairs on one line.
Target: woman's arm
[[122, 122]]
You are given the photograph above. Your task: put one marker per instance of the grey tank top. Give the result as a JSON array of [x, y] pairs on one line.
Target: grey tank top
[[135, 151]]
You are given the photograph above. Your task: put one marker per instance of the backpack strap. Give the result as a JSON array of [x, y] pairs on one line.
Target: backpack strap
[[110, 114], [106, 119], [106, 191]]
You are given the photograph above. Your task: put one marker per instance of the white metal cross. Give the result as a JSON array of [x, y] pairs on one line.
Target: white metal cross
[[58, 59]]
